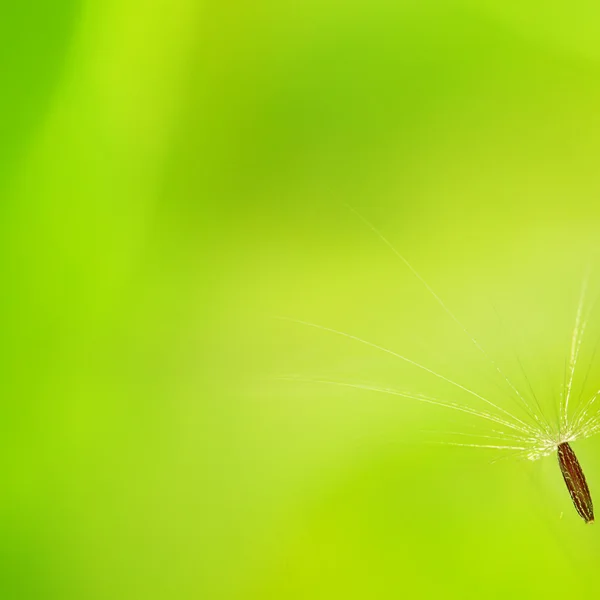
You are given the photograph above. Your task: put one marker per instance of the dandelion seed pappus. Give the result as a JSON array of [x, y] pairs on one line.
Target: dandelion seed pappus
[[533, 433]]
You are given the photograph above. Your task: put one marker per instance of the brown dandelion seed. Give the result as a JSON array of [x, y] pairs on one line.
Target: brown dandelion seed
[[575, 481]]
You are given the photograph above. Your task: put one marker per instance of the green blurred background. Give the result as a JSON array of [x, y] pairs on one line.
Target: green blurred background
[[175, 174]]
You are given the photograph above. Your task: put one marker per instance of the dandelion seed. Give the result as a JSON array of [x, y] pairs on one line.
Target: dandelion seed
[[534, 438], [576, 483]]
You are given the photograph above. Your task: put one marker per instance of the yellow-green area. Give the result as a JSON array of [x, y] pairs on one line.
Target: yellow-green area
[[175, 177]]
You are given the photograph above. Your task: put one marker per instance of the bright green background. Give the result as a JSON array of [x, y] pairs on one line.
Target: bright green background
[[173, 174]]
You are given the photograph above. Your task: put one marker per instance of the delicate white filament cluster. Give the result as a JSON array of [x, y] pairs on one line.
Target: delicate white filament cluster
[[533, 438]]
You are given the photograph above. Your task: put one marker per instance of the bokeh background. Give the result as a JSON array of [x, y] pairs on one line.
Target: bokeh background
[[176, 174]]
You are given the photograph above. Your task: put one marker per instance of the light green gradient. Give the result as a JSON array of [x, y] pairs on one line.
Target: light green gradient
[[176, 174]]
